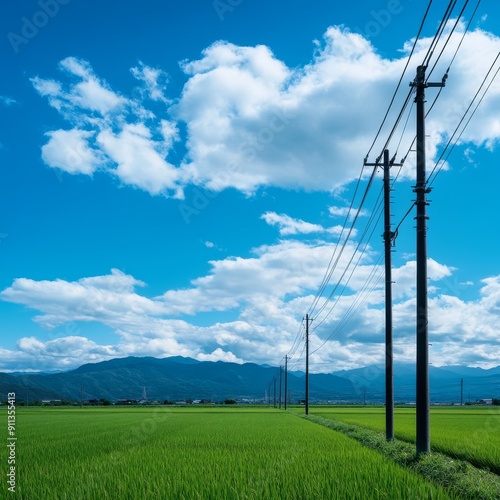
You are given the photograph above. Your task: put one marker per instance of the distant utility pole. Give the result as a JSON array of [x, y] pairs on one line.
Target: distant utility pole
[[389, 237], [421, 190], [461, 391], [286, 378], [307, 364], [274, 393], [279, 400]]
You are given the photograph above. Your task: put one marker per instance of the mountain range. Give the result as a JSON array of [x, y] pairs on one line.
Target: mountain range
[[178, 378]]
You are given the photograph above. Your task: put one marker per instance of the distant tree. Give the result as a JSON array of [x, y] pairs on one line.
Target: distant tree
[[104, 402], [496, 401], [229, 402]]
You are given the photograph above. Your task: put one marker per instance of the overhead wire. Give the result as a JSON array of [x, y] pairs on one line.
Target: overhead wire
[[326, 277], [345, 244], [439, 32], [359, 301], [297, 340], [345, 234], [360, 255], [338, 253], [448, 69], [450, 34], [339, 249], [401, 79], [435, 171], [456, 51]]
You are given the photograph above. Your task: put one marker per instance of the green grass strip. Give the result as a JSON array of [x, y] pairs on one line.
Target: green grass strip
[[461, 479]]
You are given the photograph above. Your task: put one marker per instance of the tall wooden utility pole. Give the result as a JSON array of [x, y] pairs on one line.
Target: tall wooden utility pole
[[421, 190], [274, 393], [279, 400], [286, 378], [389, 359], [307, 364], [388, 244]]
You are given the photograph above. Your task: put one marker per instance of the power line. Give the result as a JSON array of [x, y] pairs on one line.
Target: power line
[[337, 253], [296, 341], [342, 248], [400, 80], [431, 179], [450, 34], [360, 255], [359, 301], [456, 51], [439, 32]]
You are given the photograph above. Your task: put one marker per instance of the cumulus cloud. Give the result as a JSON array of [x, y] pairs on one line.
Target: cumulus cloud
[[262, 292], [290, 226], [69, 150], [220, 355], [88, 95], [343, 212], [103, 298], [110, 132], [247, 121], [283, 127], [138, 160], [252, 121], [154, 80], [262, 299]]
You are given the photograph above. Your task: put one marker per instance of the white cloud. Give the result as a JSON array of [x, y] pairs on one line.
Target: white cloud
[[7, 101], [87, 100], [301, 119], [345, 211], [404, 276], [154, 80], [252, 121], [220, 355], [69, 150], [267, 295], [91, 93], [111, 132], [290, 226], [139, 162], [107, 299]]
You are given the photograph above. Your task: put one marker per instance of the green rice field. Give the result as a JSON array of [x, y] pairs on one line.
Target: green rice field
[[197, 453], [467, 433]]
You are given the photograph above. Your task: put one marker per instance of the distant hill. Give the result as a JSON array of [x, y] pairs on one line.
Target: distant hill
[[24, 389], [444, 382], [179, 378]]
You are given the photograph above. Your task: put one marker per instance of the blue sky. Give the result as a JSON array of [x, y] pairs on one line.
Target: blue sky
[[174, 177]]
